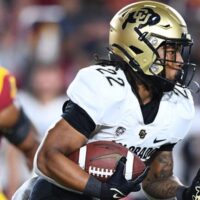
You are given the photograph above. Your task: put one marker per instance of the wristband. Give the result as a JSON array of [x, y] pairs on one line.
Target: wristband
[[180, 192], [93, 187]]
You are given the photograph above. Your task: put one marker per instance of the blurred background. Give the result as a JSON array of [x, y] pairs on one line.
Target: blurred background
[[45, 42]]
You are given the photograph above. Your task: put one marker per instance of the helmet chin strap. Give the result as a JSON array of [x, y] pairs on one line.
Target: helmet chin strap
[[165, 84]]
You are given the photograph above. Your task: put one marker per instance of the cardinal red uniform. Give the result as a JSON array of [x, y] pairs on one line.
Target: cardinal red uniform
[[14, 124], [7, 88]]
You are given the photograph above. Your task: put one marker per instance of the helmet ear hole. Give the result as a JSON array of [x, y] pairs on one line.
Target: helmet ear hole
[[136, 50]]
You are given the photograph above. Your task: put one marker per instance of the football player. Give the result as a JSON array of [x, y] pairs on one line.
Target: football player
[[14, 124], [139, 98]]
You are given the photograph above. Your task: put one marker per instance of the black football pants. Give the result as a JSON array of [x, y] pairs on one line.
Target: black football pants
[[44, 190]]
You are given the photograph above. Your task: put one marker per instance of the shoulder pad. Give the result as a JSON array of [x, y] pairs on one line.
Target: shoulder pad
[[95, 88]]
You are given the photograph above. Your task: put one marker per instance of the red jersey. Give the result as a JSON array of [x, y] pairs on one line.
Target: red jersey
[[7, 88]]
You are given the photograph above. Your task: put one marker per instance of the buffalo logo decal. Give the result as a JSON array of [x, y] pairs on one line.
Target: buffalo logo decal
[[120, 130], [144, 17]]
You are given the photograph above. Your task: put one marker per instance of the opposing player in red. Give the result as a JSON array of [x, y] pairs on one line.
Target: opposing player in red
[[14, 124], [138, 98]]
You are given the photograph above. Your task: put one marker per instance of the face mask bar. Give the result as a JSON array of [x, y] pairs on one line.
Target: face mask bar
[[173, 47], [185, 76]]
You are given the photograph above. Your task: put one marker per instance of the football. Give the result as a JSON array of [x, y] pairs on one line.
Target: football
[[101, 157]]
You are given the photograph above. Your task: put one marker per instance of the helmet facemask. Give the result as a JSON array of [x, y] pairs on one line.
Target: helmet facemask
[[186, 73]]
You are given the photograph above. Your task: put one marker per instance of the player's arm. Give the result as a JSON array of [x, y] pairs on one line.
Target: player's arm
[[18, 130], [52, 159], [68, 135], [14, 124], [161, 184]]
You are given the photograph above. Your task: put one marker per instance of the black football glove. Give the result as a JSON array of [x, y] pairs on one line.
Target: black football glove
[[117, 186], [192, 192]]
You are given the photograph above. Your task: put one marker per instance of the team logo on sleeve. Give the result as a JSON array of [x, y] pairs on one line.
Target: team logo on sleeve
[[120, 130]]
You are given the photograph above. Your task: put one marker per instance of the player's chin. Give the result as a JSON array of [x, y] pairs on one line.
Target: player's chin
[[174, 76]]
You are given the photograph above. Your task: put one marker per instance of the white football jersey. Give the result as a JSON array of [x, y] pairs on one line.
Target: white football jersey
[[105, 94]]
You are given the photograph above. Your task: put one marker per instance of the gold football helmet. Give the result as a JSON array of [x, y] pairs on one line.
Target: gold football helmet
[[137, 30]]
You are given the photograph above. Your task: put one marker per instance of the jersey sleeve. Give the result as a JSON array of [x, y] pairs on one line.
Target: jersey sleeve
[[7, 88], [98, 90], [86, 90]]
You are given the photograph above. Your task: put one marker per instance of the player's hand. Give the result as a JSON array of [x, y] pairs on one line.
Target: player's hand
[[117, 186], [193, 192]]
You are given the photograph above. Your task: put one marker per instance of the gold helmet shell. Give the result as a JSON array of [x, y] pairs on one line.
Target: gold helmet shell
[[137, 30]]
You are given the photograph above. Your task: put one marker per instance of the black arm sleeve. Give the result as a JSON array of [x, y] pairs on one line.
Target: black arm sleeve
[[17, 134], [78, 118], [167, 147]]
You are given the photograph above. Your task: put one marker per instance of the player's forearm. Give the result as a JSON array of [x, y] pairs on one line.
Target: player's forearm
[[9, 116], [64, 171], [162, 189], [29, 146]]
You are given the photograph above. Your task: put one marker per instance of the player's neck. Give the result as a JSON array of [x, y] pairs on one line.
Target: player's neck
[[145, 95]]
